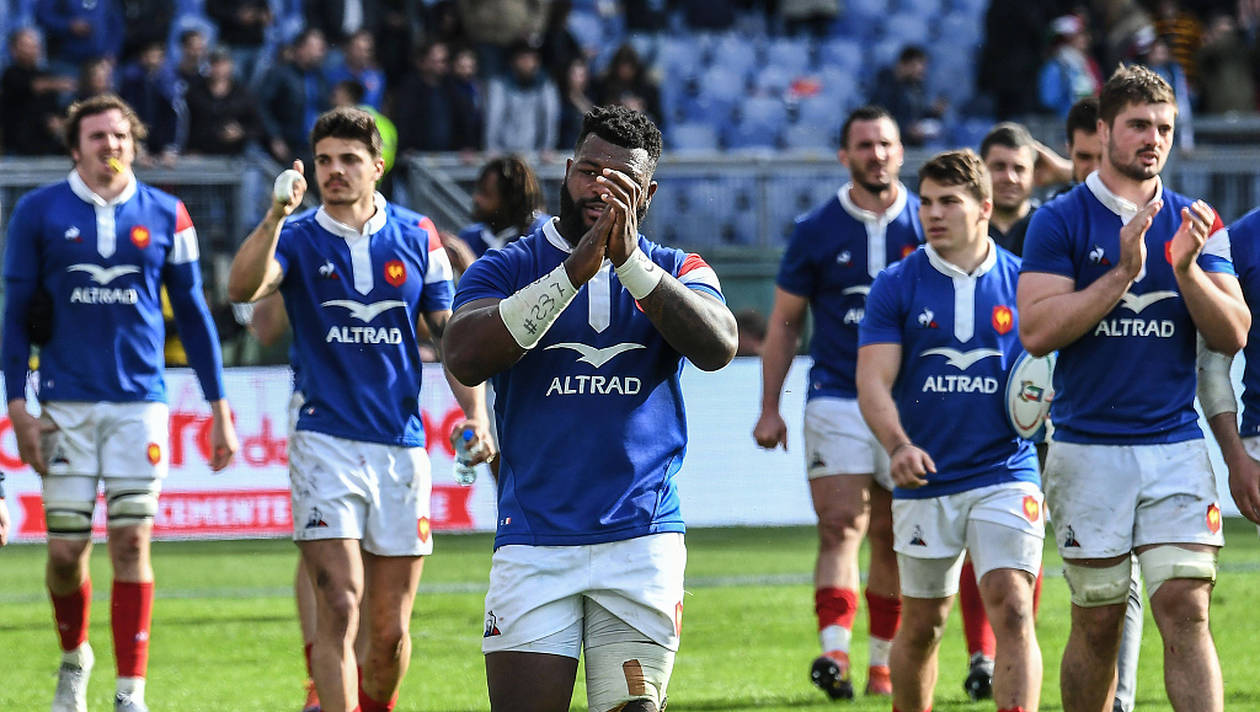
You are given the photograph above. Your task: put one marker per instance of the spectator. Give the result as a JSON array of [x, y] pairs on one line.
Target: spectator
[[400, 24], [292, 95], [575, 101], [151, 91], [1070, 74], [812, 17], [341, 20], [145, 22], [351, 94], [223, 114], [1226, 81], [30, 119], [243, 30], [901, 89], [1157, 55], [78, 31], [709, 15], [1011, 54], [496, 26], [360, 65], [1184, 34], [1124, 24], [192, 66], [522, 108], [559, 48], [651, 16], [425, 106], [470, 101], [626, 82], [752, 331], [96, 77]]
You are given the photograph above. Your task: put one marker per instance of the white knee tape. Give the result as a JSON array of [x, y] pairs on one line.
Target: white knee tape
[[617, 673], [130, 507], [1093, 587], [68, 520], [1173, 562]]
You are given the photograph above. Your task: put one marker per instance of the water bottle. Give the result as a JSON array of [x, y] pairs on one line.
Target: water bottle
[[465, 473]]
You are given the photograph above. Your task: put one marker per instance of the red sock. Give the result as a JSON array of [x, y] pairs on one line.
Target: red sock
[[131, 611], [976, 628], [306, 650], [885, 613], [1012, 709], [71, 613], [367, 704], [835, 606], [1037, 591]]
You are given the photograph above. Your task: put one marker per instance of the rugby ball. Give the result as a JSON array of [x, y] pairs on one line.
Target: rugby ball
[[1029, 392]]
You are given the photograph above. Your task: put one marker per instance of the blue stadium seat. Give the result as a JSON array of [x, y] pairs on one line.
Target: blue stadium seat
[[762, 110], [809, 136], [773, 80], [734, 53], [722, 83], [693, 137], [588, 29], [679, 57], [970, 132], [790, 54], [182, 24], [925, 8], [907, 29], [757, 136], [884, 53], [841, 53], [840, 87], [822, 111], [865, 12], [959, 29]]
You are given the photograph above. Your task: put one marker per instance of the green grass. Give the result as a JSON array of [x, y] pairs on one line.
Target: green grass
[[225, 635]]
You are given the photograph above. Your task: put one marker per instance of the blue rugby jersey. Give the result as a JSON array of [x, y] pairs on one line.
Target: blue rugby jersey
[[834, 254], [103, 264], [1130, 380], [480, 238], [591, 420], [959, 337], [354, 299], [1245, 250]]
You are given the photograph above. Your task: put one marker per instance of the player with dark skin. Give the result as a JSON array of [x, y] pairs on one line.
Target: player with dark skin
[[607, 190]]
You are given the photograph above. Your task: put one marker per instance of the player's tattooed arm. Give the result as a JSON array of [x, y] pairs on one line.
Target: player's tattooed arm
[[698, 326]]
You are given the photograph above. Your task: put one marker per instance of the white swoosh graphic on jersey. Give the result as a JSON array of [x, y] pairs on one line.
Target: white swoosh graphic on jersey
[[961, 360], [593, 356], [857, 290], [103, 275], [1136, 303], [365, 312]]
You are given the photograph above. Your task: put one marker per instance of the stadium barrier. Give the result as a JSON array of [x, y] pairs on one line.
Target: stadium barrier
[[726, 480]]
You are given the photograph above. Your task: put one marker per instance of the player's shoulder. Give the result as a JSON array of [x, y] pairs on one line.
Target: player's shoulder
[[48, 195], [1006, 260], [157, 195], [822, 216], [414, 226], [301, 222], [909, 267]]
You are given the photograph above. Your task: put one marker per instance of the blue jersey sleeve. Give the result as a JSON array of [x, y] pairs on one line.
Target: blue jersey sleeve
[[1217, 255], [439, 285], [798, 273], [1046, 246], [882, 322], [196, 326], [487, 278], [21, 279]]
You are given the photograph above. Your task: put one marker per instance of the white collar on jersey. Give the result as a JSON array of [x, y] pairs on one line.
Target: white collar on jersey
[[953, 271], [866, 216], [342, 230], [552, 233], [89, 196], [1123, 207]]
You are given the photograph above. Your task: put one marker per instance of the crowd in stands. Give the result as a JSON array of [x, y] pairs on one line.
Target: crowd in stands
[[223, 77]]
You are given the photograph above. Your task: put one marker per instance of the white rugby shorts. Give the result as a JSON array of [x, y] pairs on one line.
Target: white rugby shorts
[[536, 591], [1002, 526], [1105, 500], [349, 489], [107, 440], [838, 442]]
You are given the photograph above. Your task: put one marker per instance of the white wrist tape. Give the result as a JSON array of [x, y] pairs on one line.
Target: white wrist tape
[[639, 275], [1216, 392], [530, 312]]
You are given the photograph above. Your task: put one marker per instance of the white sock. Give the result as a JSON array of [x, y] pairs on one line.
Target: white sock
[[132, 687], [81, 656], [880, 649], [835, 639]]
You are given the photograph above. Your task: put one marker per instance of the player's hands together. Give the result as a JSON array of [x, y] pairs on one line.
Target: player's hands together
[[30, 433], [770, 431], [289, 189], [481, 447], [1187, 243], [1133, 240], [621, 195], [588, 254], [910, 465], [223, 442], [1244, 485]]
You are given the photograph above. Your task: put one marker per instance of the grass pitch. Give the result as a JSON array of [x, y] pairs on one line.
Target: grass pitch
[[225, 635]]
